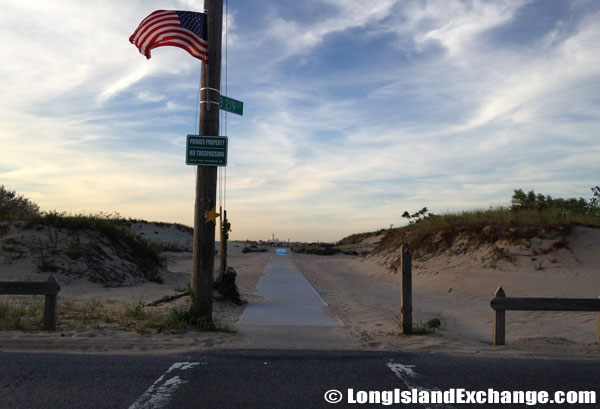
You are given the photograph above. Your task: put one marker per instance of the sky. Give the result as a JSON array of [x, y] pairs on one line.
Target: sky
[[354, 110]]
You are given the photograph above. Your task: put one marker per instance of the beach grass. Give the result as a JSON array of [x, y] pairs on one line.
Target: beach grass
[[507, 218], [113, 229], [529, 215], [21, 314], [143, 252], [419, 327], [25, 313], [437, 232]]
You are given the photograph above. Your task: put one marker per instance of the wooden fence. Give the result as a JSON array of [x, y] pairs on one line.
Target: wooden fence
[[501, 303], [48, 288]]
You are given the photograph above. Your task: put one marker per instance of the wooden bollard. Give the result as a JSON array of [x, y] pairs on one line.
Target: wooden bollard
[[406, 302], [598, 340], [51, 304], [499, 321]]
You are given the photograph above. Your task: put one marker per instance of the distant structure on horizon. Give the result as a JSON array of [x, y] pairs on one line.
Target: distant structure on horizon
[[276, 242]]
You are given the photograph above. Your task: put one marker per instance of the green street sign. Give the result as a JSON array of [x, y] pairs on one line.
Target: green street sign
[[206, 150], [232, 105]]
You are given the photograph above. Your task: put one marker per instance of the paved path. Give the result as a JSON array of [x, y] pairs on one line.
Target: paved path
[[288, 298]]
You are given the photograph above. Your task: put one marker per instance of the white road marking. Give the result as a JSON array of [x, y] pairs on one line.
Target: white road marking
[[159, 394], [406, 371], [400, 370]]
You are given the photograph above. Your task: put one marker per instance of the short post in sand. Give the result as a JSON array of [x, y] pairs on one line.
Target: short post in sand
[[203, 257], [51, 304], [406, 302], [499, 321]]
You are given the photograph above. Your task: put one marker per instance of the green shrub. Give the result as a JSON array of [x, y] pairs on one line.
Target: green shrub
[[226, 286], [421, 328], [136, 310], [433, 323], [181, 317], [319, 249], [16, 207], [565, 207]]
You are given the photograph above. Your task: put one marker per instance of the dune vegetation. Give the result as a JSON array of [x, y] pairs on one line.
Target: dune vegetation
[[109, 228], [529, 215]]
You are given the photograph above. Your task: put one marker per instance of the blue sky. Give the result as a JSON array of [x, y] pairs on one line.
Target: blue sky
[[354, 111]]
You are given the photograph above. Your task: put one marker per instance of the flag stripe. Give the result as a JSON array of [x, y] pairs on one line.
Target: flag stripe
[[160, 33], [154, 16], [184, 37], [155, 24], [172, 28], [182, 44]]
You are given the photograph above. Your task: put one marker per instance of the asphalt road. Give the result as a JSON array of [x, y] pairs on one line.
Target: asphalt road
[[273, 379]]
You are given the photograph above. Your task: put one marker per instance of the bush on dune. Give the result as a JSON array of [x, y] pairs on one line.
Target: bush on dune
[[16, 207], [528, 216], [142, 252]]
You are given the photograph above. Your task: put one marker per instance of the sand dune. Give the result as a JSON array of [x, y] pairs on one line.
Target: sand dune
[[457, 289], [455, 286]]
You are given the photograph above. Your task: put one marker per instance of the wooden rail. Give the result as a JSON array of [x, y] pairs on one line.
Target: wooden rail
[[501, 303], [48, 288]]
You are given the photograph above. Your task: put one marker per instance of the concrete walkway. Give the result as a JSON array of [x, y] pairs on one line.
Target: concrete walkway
[[288, 298]]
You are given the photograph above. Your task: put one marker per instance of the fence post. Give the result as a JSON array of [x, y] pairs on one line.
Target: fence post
[[50, 307], [499, 321], [598, 340], [406, 302]]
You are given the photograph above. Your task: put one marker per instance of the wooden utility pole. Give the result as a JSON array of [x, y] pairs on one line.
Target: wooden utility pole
[[203, 258]]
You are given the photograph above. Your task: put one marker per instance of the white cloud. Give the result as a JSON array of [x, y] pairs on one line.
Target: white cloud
[[299, 38], [456, 25], [528, 87], [124, 82], [148, 96]]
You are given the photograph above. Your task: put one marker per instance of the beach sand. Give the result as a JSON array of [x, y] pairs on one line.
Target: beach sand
[[456, 287]]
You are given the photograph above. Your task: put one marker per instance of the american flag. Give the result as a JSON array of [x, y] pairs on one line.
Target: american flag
[[184, 29]]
